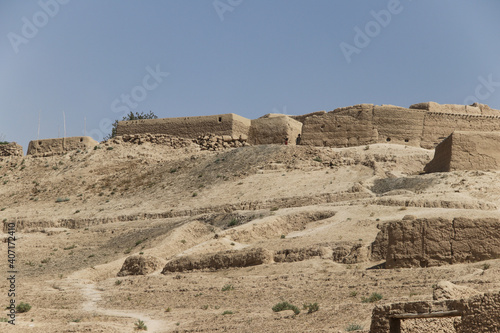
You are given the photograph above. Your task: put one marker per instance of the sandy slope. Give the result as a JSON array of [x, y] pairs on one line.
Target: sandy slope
[[168, 203]]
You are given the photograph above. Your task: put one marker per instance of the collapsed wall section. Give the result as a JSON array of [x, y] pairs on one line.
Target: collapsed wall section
[[48, 147], [467, 151], [11, 149], [188, 127], [437, 241]]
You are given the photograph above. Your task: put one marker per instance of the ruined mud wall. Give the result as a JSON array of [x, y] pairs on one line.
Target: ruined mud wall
[[442, 157], [474, 109], [478, 314], [385, 317], [438, 126], [344, 127], [398, 125], [482, 314], [438, 241], [215, 261], [424, 124], [11, 149], [467, 151], [269, 130], [188, 127], [48, 147]]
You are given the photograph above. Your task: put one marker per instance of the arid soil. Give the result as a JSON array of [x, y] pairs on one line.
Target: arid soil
[[241, 229]]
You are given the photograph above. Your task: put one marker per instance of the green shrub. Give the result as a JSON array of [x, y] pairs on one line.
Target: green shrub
[[70, 247], [129, 116], [354, 327], [227, 312], [317, 159], [227, 287], [374, 297], [139, 325], [23, 307], [62, 199], [311, 307], [232, 223], [286, 306]]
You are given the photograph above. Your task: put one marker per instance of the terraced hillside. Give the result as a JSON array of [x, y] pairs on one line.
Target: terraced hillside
[[218, 238]]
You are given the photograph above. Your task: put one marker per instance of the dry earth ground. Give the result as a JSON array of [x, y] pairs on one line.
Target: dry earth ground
[[82, 214]]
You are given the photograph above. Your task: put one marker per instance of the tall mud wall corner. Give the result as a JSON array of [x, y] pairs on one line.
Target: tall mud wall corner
[[274, 129], [467, 150]]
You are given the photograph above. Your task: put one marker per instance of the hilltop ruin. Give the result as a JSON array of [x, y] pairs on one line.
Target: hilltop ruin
[[422, 125]]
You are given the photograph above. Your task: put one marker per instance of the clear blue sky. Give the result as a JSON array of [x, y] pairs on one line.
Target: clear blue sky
[[92, 59]]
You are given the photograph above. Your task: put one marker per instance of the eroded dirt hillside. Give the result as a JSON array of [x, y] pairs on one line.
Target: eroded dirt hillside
[[241, 230]]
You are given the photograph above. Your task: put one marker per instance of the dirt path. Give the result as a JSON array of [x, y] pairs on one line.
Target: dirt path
[[92, 298]]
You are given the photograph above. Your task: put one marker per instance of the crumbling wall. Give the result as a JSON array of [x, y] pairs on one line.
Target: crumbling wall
[[482, 314], [442, 157], [140, 265], [274, 129], [423, 124], [11, 149], [473, 109], [385, 318], [398, 125], [49, 147], [215, 261], [303, 117], [478, 314], [438, 126], [467, 151], [429, 242], [343, 127], [188, 127]]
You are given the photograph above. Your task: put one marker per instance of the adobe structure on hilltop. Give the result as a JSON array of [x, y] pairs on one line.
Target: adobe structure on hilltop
[[271, 128], [423, 125], [49, 147]]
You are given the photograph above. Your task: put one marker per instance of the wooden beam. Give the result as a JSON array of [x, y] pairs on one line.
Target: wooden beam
[[453, 313]]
